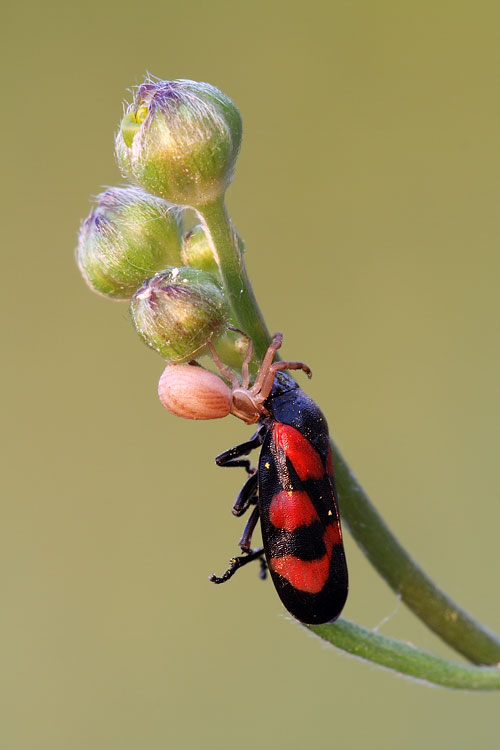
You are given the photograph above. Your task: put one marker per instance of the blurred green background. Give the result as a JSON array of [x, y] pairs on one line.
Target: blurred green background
[[367, 193]]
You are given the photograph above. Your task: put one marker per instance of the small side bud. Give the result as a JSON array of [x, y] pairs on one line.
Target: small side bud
[[232, 348], [129, 236], [180, 140], [194, 393], [179, 311], [197, 252]]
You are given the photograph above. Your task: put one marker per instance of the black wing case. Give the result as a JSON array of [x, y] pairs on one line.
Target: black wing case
[[300, 523]]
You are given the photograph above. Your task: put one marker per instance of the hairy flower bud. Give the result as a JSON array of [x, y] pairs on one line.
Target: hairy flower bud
[[180, 140], [179, 311], [126, 238]]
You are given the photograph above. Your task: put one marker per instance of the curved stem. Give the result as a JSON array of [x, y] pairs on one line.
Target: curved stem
[[225, 246], [440, 613], [402, 573], [406, 659]]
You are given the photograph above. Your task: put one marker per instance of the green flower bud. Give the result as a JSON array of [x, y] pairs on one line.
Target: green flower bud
[[128, 237], [179, 140], [197, 252], [232, 348], [179, 311]]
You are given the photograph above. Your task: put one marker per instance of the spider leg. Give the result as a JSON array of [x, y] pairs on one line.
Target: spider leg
[[225, 371], [266, 362]]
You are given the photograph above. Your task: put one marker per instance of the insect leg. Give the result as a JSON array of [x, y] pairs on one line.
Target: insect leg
[[247, 495], [249, 554], [246, 541], [232, 457], [237, 563], [246, 538]]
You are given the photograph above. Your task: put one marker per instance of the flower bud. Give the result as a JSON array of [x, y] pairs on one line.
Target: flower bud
[[232, 348], [179, 140], [197, 252], [179, 311], [128, 237]]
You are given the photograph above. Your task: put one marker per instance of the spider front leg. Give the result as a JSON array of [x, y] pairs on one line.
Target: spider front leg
[[268, 379]]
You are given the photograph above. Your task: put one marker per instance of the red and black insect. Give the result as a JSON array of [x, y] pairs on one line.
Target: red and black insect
[[292, 491]]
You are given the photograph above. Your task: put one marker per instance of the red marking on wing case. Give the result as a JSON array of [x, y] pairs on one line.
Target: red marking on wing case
[[290, 509], [304, 458], [309, 575], [329, 462], [332, 536], [304, 575]]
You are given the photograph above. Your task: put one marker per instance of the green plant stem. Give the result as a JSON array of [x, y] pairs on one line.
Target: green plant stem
[[440, 613], [420, 594], [406, 659], [224, 241]]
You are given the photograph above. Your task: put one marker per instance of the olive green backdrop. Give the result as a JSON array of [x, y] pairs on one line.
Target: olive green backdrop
[[367, 193]]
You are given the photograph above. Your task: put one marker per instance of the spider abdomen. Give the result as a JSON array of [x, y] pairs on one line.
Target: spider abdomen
[[194, 393]]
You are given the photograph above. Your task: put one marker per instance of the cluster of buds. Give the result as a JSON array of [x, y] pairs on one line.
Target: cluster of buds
[[178, 142]]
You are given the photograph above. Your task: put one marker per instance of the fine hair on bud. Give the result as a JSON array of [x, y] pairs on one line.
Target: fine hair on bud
[[127, 237], [180, 140]]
